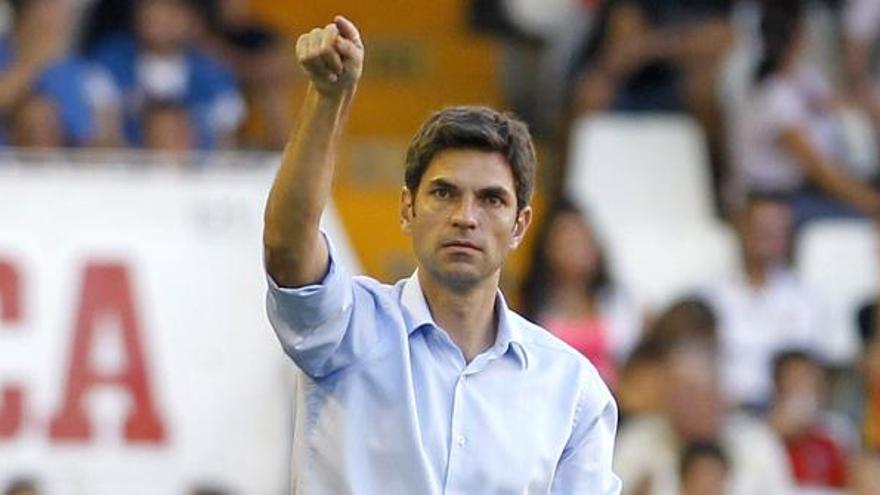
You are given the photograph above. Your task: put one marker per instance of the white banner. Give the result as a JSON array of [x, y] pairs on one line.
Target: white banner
[[135, 355]]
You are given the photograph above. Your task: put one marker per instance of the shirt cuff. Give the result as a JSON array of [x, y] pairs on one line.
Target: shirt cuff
[[311, 305]]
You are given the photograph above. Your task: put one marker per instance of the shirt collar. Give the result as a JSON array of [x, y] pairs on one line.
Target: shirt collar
[[418, 315]]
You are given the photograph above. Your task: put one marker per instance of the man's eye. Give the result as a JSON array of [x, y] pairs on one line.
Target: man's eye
[[494, 201], [441, 193]]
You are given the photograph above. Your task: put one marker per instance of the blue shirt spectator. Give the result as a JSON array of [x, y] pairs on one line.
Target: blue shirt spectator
[[64, 83], [198, 82], [387, 404]]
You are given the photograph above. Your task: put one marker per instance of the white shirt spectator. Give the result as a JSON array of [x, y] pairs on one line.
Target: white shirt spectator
[[778, 104], [649, 449], [861, 19], [756, 324]]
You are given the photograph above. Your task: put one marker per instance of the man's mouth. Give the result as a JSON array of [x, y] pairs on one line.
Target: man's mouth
[[462, 244]]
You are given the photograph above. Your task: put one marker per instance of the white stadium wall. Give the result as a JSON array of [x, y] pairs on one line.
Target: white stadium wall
[[135, 355]]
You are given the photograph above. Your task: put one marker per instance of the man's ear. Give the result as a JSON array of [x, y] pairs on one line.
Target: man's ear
[[406, 210], [523, 221]]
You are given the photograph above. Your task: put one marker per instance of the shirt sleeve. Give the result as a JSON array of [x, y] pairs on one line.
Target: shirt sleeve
[[585, 464], [326, 326], [783, 108]]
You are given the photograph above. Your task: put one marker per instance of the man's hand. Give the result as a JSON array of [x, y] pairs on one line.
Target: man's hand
[[333, 57]]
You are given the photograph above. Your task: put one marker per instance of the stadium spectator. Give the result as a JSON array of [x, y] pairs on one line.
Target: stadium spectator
[[262, 63], [688, 323], [49, 97], [685, 323], [817, 453], [639, 388], [159, 61], [648, 456], [22, 486], [35, 124], [568, 290], [658, 55], [787, 139], [653, 55], [869, 330], [765, 308], [704, 469], [861, 27], [168, 127]]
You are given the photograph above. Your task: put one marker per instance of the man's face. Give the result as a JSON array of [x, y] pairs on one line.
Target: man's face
[[463, 218], [767, 232], [164, 26]]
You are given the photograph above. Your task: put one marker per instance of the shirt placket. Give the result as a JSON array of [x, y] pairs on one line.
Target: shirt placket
[[460, 460], [458, 438]]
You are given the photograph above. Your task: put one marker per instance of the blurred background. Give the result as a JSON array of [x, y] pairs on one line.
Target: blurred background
[[707, 226]]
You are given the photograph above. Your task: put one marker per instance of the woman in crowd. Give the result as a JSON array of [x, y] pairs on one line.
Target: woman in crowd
[[568, 290]]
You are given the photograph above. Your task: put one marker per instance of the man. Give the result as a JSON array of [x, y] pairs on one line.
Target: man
[[431, 385], [160, 61], [765, 308]]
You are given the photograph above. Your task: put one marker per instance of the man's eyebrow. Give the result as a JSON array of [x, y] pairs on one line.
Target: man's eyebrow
[[442, 183], [495, 191]]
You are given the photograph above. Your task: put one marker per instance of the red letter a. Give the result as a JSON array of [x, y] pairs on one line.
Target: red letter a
[[106, 291]]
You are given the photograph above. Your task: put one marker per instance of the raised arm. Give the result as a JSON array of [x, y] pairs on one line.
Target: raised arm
[[332, 57], [39, 38], [837, 184]]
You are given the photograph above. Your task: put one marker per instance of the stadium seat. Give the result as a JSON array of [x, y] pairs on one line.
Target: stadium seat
[[660, 265], [839, 259], [633, 170], [645, 184]]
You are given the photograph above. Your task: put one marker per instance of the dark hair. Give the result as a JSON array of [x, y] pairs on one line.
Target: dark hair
[[209, 490], [649, 351], [867, 322], [781, 21], [21, 485], [695, 450], [480, 128], [686, 321], [539, 278], [787, 357]]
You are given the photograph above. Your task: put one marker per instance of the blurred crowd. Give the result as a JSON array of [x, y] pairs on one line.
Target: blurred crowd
[[730, 389], [173, 75], [780, 97]]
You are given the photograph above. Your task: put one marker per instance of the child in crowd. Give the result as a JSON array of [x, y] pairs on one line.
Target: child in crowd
[[704, 469], [818, 455]]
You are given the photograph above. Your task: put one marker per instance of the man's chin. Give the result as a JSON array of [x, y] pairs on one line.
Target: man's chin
[[459, 278]]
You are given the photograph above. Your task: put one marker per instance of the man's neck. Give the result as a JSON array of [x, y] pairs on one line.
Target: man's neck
[[756, 273], [467, 316]]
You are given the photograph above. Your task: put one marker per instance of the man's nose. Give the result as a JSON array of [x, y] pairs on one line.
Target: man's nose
[[464, 215]]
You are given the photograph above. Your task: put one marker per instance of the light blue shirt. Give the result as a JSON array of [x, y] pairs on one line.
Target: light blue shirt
[[386, 404]]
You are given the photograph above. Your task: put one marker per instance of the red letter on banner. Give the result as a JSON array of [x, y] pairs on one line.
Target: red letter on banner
[[107, 292], [11, 397]]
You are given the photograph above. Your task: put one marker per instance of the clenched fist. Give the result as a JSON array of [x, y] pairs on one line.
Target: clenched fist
[[332, 56]]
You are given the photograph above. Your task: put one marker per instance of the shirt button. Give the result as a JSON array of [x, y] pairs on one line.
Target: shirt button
[[461, 440]]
